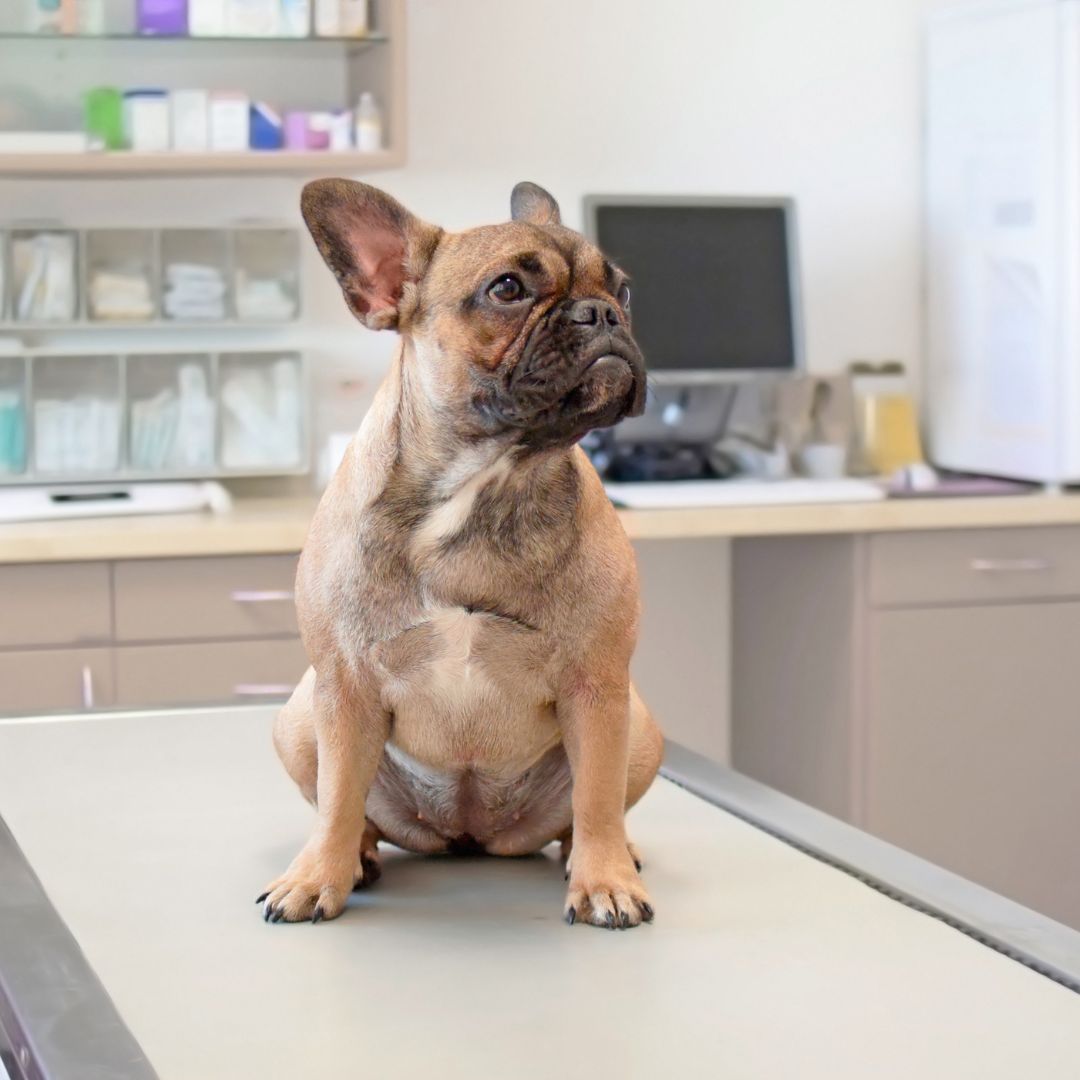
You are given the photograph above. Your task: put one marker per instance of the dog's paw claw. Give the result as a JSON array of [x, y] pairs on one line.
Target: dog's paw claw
[[607, 893], [309, 891], [261, 897]]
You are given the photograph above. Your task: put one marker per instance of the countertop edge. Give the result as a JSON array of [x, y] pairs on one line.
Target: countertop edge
[[267, 526]]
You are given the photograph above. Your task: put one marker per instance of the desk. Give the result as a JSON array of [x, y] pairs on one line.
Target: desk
[[151, 834]]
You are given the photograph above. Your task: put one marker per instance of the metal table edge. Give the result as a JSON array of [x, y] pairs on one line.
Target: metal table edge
[[57, 1022], [1041, 943]]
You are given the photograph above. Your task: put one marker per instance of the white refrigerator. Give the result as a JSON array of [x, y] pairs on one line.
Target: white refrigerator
[[1003, 239]]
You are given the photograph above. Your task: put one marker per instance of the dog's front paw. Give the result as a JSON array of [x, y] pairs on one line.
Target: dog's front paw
[[605, 890], [316, 886]]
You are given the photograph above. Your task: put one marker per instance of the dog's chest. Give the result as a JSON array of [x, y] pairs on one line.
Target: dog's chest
[[469, 687]]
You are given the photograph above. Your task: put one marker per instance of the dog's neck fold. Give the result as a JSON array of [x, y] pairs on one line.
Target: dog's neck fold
[[432, 450]]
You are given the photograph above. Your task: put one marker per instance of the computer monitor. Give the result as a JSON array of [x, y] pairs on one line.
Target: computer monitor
[[714, 282]]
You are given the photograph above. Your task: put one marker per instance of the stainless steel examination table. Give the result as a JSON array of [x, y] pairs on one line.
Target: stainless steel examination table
[[130, 945]]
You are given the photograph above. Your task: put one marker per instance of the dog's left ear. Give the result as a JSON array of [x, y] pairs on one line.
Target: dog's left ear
[[530, 202], [377, 250]]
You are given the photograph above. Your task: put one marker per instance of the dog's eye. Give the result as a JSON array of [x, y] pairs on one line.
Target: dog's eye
[[507, 290], [623, 296]]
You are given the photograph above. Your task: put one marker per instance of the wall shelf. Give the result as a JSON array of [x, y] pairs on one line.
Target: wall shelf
[[53, 72], [167, 163], [359, 42]]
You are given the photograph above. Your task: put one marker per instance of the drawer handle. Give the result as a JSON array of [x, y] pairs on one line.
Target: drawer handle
[[256, 689], [261, 596], [87, 687], [1010, 566]]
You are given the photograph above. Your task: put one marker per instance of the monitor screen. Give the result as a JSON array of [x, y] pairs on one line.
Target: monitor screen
[[711, 285]]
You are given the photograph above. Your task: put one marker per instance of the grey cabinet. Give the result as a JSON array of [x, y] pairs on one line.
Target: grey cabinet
[[680, 665], [973, 745], [193, 599], [54, 604], [207, 673], [56, 680], [146, 633], [926, 687]]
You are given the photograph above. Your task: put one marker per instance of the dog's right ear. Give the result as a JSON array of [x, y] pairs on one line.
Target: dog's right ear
[[376, 249]]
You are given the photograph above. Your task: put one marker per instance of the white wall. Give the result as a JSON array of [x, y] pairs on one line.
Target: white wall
[[819, 99], [814, 98]]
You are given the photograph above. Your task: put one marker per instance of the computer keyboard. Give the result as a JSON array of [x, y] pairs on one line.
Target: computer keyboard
[[680, 494]]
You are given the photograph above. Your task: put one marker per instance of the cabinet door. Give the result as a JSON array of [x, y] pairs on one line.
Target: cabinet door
[[208, 673], [973, 745], [54, 604], [205, 598], [55, 680]]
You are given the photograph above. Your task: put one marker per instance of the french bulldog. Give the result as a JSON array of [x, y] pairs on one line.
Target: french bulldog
[[467, 595]]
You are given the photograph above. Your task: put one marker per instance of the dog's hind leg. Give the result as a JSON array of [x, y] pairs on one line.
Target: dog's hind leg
[[369, 854]]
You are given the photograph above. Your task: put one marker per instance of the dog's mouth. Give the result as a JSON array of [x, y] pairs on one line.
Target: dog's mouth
[[568, 380], [609, 378]]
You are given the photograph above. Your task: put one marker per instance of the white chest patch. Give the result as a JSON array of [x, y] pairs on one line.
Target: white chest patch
[[449, 517], [455, 672]]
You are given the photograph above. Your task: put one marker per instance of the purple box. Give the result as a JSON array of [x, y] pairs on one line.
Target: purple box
[[165, 17], [296, 130]]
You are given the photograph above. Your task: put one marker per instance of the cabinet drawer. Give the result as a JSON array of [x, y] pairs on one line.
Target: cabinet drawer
[[193, 599], [974, 565], [55, 680], [54, 604], [208, 674]]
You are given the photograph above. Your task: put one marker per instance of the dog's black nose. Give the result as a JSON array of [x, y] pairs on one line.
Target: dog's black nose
[[593, 312]]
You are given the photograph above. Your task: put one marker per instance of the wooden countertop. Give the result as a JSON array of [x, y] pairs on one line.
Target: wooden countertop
[[277, 526]]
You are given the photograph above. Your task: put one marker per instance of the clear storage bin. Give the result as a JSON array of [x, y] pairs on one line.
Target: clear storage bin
[[171, 414], [262, 411], [266, 274], [120, 278], [195, 275], [44, 275], [12, 415], [77, 414]]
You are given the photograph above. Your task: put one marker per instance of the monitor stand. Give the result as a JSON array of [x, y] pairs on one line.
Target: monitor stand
[[672, 439]]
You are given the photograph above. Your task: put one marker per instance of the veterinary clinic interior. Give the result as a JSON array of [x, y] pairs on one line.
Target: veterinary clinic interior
[[845, 238]]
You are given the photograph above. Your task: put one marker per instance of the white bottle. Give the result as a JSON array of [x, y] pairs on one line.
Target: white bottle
[[190, 120], [327, 18], [354, 18], [369, 133]]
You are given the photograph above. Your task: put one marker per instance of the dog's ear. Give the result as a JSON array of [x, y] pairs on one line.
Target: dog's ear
[[377, 250], [530, 202]]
